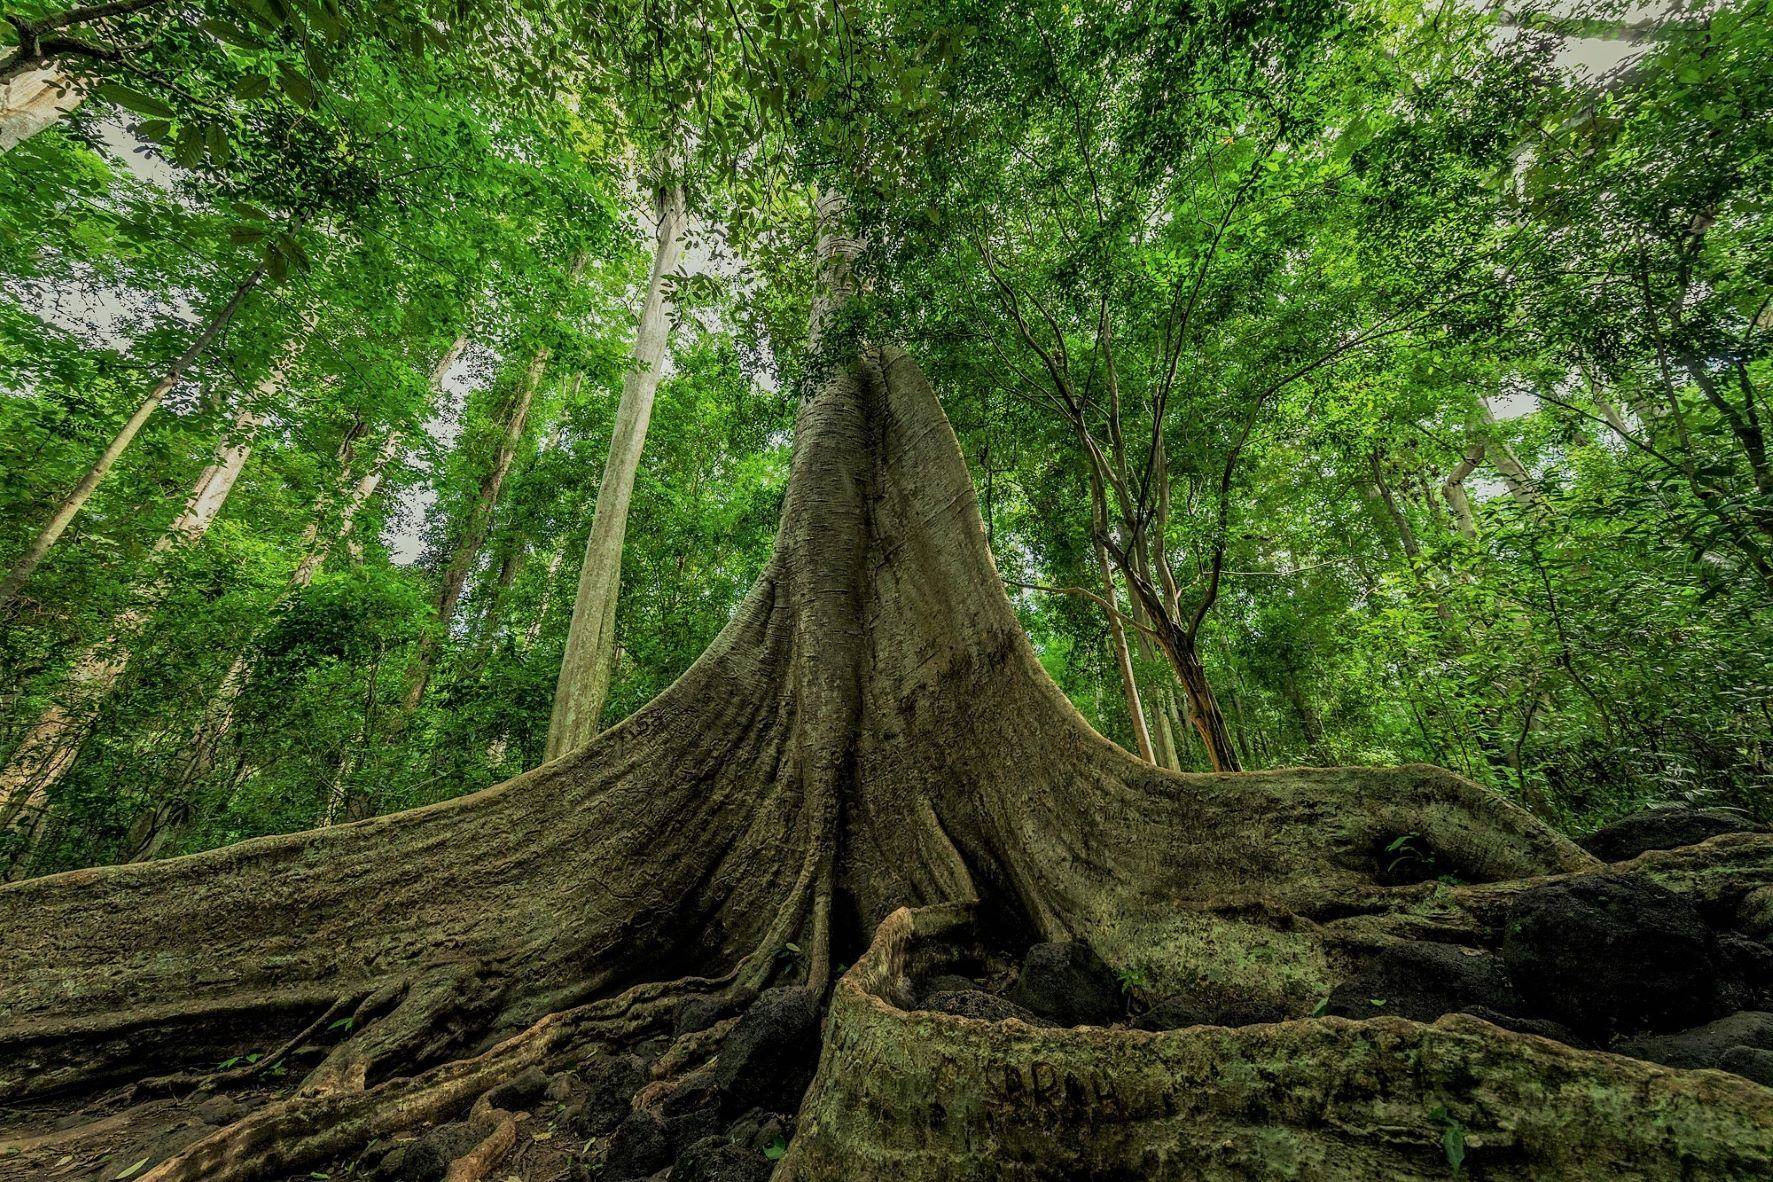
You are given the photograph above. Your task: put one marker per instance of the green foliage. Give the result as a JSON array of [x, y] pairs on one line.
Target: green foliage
[[1312, 256]]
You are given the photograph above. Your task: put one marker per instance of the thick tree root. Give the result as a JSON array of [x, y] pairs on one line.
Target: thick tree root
[[907, 1096]]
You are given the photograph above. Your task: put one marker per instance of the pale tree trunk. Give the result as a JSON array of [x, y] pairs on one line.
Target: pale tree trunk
[[76, 500], [1453, 488], [50, 748], [34, 101], [1169, 733], [172, 813], [1523, 489], [1123, 660], [474, 531], [590, 640]]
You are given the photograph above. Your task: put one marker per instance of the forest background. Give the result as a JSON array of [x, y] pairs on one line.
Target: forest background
[[1343, 382]]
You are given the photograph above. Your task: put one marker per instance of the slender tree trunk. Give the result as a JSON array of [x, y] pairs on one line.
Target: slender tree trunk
[[173, 812], [1209, 720], [34, 101], [590, 640], [1123, 660], [1522, 487], [76, 500], [1167, 737], [1453, 488], [475, 529], [50, 748]]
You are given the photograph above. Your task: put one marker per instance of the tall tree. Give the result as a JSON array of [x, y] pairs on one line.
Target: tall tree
[[590, 643]]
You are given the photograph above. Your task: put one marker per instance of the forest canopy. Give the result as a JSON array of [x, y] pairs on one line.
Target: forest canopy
[[397, 399]]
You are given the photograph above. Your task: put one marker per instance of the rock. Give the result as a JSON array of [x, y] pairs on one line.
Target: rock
[[686, 1128], [715, 1159], [776, 1128], [768, 1058], [1423, 980], [1745, 973], [521, 1092], [1754, 1063], [1604, 954], [1067, 982], [976, 1003], [1661, 829], [639, 1146], [561, 1088], [1704, 1046], [948, 983], [696, 1013], [218, 1110], [610, 1084], [427, 1159], [743, 1130], [1543, 1027]]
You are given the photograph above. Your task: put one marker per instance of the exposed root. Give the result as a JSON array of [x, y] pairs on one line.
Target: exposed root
[[479, 1161]]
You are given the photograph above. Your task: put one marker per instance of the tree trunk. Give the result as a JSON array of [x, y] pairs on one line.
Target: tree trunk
[[872, 731], [50, 748], [1522, 487], [1123, 660], [590, 639], [34, 101], [172, 812], [1454, 488], [76, 500], [479, 522]]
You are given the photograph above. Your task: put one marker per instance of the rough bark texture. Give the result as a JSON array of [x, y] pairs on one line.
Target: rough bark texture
[[591, 638], [908, 1096], [871, 732]]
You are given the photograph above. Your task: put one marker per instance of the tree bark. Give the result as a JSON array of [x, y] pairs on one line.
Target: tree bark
[[1123, 660], [50, 748], [591, 637], [1453, 488], [872, 731], [71, 505], [35, 101]]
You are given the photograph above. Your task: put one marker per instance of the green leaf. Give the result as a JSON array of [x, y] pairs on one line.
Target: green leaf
[[133, 1170], [1453, 1142], [296, 85], [134, 100], [775, 1150]]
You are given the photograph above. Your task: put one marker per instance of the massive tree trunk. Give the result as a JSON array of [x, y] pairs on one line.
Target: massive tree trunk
[[872, 731], [52, 744], [591, 637], [71, 505]]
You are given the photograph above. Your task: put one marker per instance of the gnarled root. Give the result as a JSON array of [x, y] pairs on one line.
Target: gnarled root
[[909, 1096]]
